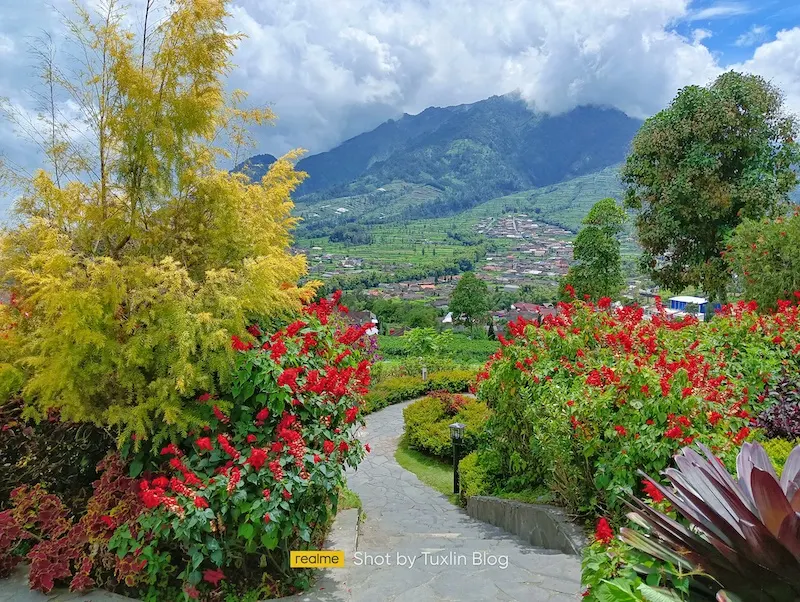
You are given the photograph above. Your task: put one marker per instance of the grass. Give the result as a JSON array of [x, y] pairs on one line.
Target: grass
[[433, 472], [349, 499]]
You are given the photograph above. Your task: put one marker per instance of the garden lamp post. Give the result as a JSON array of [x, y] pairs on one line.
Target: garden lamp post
[[456, 435]]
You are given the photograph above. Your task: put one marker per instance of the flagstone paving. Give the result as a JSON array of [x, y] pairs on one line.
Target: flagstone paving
[[452, 552]]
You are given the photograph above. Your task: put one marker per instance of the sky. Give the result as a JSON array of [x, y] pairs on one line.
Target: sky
[[331, 69]]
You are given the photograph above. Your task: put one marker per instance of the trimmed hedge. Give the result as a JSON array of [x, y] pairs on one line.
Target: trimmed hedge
[[427, 422], [402, 388], [473, 478]]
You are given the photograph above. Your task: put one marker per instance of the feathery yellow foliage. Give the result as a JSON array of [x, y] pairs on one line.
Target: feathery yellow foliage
[[135, 262]]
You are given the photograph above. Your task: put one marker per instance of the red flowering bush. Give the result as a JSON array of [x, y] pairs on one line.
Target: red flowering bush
[[226, 504], [592, 395]]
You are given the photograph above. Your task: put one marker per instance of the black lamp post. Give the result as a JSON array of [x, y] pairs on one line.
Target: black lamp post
[[456, 435]]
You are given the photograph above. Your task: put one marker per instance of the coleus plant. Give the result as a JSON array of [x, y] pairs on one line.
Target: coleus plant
[[742, 542], [782, 419], [263, 476]]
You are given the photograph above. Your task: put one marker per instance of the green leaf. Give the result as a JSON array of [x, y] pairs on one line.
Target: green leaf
[[246, 531], [136, 468], [269, 539]]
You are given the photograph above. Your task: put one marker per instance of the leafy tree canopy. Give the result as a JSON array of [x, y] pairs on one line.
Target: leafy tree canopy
[[135, 258], [717, 155], [470, 298], [598, 269]]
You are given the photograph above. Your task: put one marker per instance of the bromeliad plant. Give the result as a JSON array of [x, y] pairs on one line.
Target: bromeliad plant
[[742, 542], [226, 505]]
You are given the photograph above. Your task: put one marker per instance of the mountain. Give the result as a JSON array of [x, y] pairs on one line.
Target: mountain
[[256, 166], [469, 153]]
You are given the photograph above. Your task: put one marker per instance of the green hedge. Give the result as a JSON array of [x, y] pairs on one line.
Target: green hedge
[[473, 477], [427, 422], [402, 388]]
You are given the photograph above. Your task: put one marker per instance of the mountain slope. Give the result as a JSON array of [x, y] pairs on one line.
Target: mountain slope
[[256, 166], [469, 153]]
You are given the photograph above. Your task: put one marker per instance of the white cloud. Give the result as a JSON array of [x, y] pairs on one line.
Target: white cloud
[[779, 62], [753, 36], [720, 10], [698, 35]]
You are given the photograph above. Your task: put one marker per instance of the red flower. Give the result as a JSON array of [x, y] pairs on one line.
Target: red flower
[[287, 495], [343, 447], [267, 518], [651, 490], [741, 435], [192, 592], [570, 403], [686, 392], [367, 447], [604, 302], [570, 291], [350, 414], [257, 458], [295, 327], [251, 438], [777, 340], [171, 449], [204, 443], [675, 432], [262, 415], [713, 418], [620, 430], [204, 397], [603, 532], [239, 345], [220, 416], [650, 421], [161, 482], [151, 499], [328, 446], [645, 390], [316, 458], [254, 330], [213, 576], [277, 350], [289, 378], [200, 502]]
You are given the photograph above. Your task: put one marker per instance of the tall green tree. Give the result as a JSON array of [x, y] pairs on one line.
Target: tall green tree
[[598, 268], [716, 156], [470, 298]]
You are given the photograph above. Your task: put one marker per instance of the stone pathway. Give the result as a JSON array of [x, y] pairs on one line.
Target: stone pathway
[[404, 516]]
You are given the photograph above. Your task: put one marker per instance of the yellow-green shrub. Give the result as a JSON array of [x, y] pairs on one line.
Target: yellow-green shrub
[[129, 280], [473, 477], [402, 388], [427, 422], [778, 451]]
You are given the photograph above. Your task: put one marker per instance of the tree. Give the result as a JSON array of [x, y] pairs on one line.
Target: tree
[[136, 259], [765, 256], [716, 156], [470, 298], [598, 271]]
